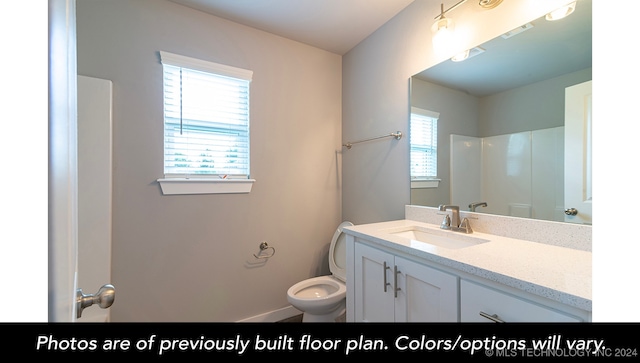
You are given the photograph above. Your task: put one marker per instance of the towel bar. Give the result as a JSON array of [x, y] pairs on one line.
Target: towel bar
[[397, 135]]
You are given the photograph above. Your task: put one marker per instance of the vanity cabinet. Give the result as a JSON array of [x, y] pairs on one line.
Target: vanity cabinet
[[386, 284], [390, 288], [479, 303]]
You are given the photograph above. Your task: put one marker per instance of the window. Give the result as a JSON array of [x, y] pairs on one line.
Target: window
[[424, 148], [206, 125]]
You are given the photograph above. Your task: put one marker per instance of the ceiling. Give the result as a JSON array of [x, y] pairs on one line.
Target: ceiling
[[333, 25], [547, 50]]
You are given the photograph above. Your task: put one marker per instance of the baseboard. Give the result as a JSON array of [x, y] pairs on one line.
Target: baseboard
[[273, 316]]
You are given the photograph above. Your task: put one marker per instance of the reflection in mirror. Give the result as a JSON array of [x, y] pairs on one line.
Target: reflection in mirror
[[501, 127]]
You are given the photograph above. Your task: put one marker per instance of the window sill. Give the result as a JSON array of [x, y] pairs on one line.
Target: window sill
[[175, 186], [425, 183]]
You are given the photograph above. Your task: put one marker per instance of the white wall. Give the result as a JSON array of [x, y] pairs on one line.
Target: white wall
[[519, 174], [466, 171], [190, 258]]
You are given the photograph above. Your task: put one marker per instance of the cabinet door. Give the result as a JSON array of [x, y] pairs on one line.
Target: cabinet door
[[374, 301], [425, 294], [483, 304]]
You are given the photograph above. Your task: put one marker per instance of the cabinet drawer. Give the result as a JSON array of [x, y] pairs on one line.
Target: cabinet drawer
[[476, 299]]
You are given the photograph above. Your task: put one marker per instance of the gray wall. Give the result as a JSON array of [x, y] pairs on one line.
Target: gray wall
[[376, 98], [190, 257], [533, 107]]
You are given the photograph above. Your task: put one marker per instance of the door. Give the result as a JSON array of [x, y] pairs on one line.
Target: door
[[578, 120], [65, 299], [425, 294], [63, 223], [389, 288], [374, 285], [94, 189]]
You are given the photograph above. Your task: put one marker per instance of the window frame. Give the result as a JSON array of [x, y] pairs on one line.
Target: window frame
[[204, 183]]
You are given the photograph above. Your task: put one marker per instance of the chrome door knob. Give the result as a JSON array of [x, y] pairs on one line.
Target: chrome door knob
[[571, 211], [103, 298]]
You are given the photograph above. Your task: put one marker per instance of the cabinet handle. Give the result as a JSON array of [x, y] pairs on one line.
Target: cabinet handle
[[395, 281], [493, 317], [384, 273]]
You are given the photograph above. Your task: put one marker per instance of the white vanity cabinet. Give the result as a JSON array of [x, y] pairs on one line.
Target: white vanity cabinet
[[389, 288], [390, 282], [480, 303]]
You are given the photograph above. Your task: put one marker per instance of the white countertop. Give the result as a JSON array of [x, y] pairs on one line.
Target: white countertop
[[557, 273]]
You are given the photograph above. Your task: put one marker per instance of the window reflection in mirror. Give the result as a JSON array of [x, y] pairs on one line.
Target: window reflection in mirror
[[423, 153]]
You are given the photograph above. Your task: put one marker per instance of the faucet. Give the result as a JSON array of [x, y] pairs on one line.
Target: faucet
[[454, 223], [474, 205], [455, 214]]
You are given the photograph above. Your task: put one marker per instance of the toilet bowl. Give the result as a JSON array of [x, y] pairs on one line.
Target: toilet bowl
[[323, 298]]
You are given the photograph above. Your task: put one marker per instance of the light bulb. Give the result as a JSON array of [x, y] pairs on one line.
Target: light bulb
[[461, 56], [443, 39], [562, 12]]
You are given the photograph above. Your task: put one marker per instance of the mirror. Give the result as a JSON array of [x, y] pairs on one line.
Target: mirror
[[505, 105]]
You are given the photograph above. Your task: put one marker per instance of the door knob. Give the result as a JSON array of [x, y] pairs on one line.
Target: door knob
[[571, 211], [104, 298]]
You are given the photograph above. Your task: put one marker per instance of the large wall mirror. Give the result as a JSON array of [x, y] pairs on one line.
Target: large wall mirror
[[502, 138]]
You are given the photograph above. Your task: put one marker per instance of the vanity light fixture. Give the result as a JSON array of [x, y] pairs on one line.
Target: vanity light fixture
[[460, 56], [469, 53], [443, 29], [489, 4], [562, 12], [517, 31]]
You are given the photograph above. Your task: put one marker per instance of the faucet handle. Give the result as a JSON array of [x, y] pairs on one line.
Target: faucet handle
[[446, 222], [465, 226]]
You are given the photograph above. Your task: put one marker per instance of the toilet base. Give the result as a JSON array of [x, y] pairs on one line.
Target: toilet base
[[324, 318]]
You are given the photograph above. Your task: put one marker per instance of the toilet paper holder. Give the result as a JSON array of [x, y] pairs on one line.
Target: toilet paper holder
[[263, 247]]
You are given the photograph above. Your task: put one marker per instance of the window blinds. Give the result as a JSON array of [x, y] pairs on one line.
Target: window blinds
[[206, 118], [424, 144]]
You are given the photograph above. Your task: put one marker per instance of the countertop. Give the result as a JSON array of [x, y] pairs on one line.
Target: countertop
[[557, 273]]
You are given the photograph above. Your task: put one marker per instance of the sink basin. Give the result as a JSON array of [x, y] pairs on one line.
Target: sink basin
[[436, 237]]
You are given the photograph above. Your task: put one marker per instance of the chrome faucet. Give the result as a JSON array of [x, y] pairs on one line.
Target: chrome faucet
[[474, 205], [455, 213], [454, 222]]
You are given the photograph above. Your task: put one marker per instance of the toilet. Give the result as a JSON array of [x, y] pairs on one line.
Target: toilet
[[323, 298]]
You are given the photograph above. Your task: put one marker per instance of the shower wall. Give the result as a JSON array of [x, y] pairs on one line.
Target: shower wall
[[520, 174]]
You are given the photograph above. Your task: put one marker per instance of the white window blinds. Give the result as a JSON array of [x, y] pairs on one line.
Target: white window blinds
[[424, 144], [206, 118]]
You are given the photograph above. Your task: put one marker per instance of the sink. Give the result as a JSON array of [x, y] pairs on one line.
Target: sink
[[436, 237]]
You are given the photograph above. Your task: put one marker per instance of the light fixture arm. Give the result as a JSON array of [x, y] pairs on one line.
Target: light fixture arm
[[443, 12], [485, 4]]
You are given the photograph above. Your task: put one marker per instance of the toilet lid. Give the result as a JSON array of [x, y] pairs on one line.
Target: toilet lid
[[338, 253]]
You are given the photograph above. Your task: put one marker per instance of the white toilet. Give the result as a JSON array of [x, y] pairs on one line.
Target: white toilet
[[323, 299]]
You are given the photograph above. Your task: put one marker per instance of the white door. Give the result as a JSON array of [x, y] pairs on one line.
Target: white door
[[65, 301], [374, 285], [62, 162], [94, 190], [425, 294], [578, 121]]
